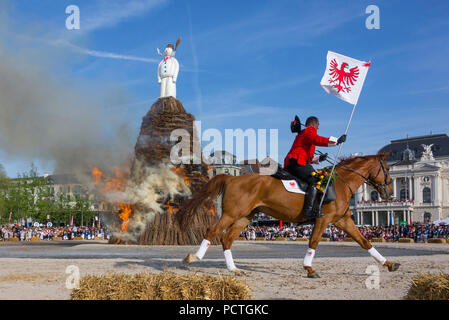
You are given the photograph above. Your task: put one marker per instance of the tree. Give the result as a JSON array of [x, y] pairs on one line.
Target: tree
[[33, 196], [4, 202]]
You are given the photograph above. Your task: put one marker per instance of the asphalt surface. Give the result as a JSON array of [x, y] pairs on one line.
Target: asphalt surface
[[244, 250]]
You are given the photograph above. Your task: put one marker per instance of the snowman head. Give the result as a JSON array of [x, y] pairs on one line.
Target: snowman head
[[169, 50]]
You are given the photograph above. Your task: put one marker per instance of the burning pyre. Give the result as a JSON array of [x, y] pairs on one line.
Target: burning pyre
[[147, 196]]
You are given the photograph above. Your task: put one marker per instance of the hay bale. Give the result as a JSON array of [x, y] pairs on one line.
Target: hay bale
[[436, 240], [378, 240], [429, 287], [78, 238], [13, 239], [280, 239], [325, 239], [349, 239], [406, 240], [241, 238], [163, 286], [57, 238], [35, 239], [260, 238], [302, 239]]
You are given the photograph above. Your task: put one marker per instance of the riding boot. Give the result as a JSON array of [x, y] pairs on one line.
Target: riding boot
[[309, 204]]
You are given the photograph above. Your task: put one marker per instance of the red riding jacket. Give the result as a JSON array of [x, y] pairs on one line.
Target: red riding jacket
[[303, 148]]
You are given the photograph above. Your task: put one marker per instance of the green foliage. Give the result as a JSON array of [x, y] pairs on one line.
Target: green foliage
[[4, 186], [31, 195]]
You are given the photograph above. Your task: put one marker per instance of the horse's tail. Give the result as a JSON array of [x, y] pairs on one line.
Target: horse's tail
[[210, 191]]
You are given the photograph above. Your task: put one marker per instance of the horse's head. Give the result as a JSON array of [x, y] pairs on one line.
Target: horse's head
[[379, 176]]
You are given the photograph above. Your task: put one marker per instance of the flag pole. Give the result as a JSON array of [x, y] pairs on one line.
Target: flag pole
[[336, 158]]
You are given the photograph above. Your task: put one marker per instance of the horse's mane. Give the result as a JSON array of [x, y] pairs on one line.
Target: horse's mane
[[349, 160]]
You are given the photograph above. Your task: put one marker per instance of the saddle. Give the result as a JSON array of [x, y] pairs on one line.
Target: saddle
[[282, 174]]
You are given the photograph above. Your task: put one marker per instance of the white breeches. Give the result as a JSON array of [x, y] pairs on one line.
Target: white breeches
[[168, 87]]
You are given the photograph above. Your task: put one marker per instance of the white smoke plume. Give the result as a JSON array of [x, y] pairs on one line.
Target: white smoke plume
[[147, 191]]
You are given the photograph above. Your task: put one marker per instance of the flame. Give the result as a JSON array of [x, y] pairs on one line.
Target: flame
[[96, 173], [125, 213], [183, 172], [170, 208], [115, 184]]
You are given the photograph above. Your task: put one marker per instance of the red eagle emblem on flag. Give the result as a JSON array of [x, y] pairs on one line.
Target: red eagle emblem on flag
[[341, 79]]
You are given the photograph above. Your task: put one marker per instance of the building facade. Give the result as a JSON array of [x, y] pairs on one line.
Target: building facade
[[223, 162], [419, 169]]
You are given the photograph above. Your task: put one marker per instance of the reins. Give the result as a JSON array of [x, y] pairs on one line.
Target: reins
[[366, 180]]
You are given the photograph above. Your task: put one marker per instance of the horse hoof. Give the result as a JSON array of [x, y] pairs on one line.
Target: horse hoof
[[393, 267], [190, 258], [313, 275]]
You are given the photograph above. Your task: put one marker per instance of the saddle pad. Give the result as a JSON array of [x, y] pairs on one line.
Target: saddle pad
[[292, 186]]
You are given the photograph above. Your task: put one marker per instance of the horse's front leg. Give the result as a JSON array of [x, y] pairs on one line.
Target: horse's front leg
[[320, 225], [348, 226]]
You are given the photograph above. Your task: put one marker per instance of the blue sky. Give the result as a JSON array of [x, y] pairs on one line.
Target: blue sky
[[255, 64]]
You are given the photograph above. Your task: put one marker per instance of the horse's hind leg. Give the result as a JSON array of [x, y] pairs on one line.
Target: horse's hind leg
[[211, 234], [348, 226], [229, 237]]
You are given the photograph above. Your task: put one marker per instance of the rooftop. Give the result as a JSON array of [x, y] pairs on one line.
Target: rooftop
[[439, 142]]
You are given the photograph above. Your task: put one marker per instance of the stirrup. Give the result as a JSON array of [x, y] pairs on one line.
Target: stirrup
[[317, 213]]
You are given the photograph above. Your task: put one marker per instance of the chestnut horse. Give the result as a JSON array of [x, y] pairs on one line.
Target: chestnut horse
[[244, 196]]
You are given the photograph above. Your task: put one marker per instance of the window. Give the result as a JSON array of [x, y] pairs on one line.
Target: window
[[374, 196], [426, 195], [227, 171], [404, 194], [427, 217]]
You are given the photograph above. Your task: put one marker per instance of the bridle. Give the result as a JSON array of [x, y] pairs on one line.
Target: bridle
[[369, 181]]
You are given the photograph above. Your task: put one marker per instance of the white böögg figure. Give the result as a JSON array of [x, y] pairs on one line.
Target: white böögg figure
[[168, 70]]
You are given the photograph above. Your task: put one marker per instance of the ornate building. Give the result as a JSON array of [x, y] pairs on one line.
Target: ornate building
[[419, 168], [223, 162]]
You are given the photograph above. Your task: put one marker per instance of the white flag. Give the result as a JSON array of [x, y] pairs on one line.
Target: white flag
[[344, 77]]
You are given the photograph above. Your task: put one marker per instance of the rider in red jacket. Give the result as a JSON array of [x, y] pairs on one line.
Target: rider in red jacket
[[300, 157]]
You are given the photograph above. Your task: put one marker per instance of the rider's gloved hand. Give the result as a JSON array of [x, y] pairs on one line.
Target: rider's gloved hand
[[341, 139], [322, 157]]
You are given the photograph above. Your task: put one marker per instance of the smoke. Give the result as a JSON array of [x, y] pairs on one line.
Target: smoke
[[47, 115], [147, 191]]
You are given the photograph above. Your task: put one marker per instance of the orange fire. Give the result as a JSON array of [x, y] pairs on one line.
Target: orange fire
[[170, 209], [115, 184], [97, 175], [182, 172], [125, 213]]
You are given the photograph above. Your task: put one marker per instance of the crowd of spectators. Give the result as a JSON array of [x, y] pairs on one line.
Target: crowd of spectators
[[24, 233], [417, 232]]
